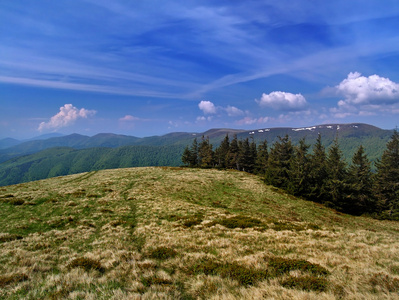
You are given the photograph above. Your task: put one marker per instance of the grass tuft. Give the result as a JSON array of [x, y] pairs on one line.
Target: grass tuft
[[12, 279], [162, 253], [87, 264], [385, 282], [151, 280]]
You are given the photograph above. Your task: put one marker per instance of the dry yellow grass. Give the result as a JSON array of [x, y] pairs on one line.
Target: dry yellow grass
[[167, 233]]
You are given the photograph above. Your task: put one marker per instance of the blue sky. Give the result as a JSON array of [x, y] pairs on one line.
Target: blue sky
[[152, 67]]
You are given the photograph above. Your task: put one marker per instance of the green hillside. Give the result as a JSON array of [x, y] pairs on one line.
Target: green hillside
[[179, 233], [65, 161]]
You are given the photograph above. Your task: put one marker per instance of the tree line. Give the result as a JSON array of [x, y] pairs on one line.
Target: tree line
[[311, 172]]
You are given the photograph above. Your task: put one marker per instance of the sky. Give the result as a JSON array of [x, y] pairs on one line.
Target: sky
[[152, 67]]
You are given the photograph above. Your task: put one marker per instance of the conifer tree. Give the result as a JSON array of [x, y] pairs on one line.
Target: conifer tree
[[244, 158], [253, 153], [336, 177], [360, 198], [186, 157], [190, 155], [278, 170], [232, 160], [262, 158], [222, 151], [318, 172], [299, 184], [205, 153], [387, 178]]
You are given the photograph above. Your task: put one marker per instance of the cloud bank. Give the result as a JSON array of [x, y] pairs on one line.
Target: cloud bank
[[283, 101], [67, 116]]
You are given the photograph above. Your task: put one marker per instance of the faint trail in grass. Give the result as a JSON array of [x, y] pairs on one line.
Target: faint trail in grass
[[131, 218], [82, 177]]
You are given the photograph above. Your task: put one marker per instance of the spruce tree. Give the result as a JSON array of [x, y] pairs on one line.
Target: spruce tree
[[253, 153], [278, 170], [232, 160], [190, 155], [360, 199], [244, 158], [318, 173], [222, 151], [205, 153], [262, 158], [336, 177], [387, 178], [186, 157], [299, 184], [194, 154]]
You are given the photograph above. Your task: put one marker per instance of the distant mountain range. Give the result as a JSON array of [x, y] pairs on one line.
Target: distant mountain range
[[49, 156]]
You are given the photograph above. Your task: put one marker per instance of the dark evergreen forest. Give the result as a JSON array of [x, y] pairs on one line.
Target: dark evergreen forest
[[311, 171]]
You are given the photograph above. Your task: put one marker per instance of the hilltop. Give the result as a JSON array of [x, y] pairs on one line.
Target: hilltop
[[180, 233]]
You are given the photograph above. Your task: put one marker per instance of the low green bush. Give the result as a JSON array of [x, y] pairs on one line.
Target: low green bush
[[239, 222], [284, 265], [307, 283], [235, 271]]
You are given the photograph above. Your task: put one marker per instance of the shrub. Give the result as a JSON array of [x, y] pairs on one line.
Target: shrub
[[284, 265], [280, 226], [87, 264], [192, 221], [162, 253], [307, 283], [244, 275], [239, 222], [11, 279]]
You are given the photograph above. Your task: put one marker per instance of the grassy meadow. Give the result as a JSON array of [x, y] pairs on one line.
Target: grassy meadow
[[179, 233]]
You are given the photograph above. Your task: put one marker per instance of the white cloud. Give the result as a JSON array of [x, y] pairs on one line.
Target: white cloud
[[283, 101], [361, 90], [129, 118], [67, 115], [365, 96], [207, 107], [233, 111]]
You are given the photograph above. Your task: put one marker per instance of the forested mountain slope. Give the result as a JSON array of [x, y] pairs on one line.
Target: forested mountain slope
[[64, 161]]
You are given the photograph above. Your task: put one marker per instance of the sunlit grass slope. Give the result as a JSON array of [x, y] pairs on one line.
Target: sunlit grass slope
[[174, 233]]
